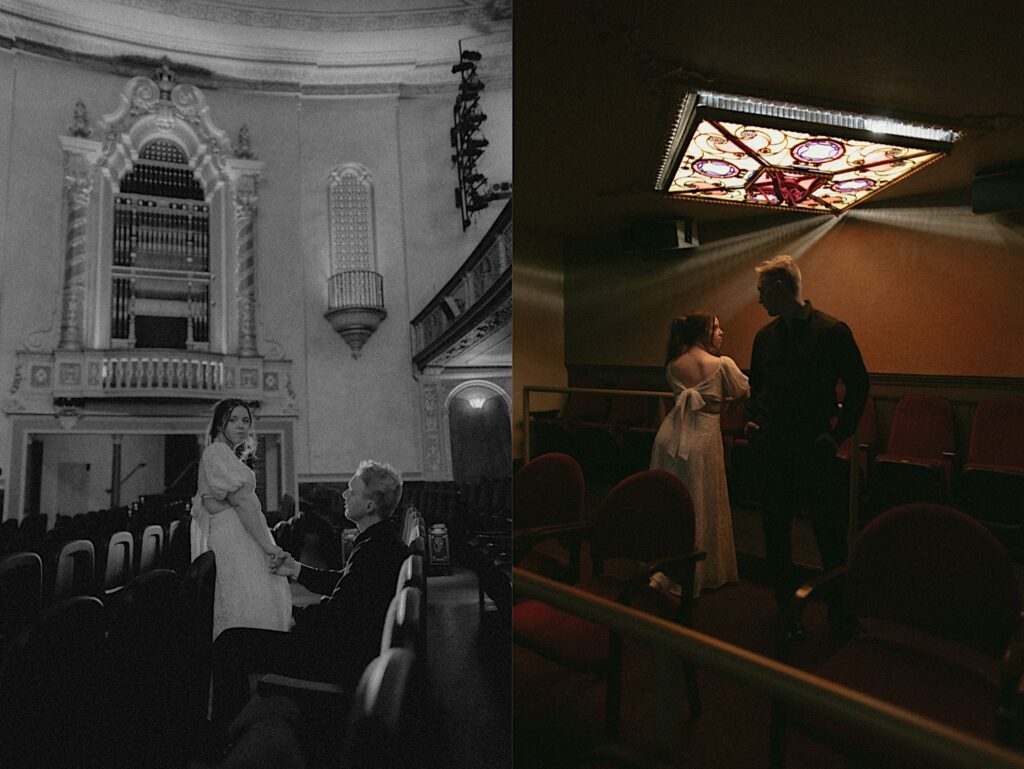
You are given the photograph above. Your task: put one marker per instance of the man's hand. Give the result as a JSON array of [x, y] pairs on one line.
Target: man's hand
[[287, 566], [751, 428]]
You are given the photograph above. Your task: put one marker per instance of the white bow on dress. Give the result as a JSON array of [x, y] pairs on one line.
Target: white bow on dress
[[688, 403]]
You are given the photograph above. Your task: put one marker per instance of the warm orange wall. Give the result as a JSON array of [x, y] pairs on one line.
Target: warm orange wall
[[925, 290], [538, 350]]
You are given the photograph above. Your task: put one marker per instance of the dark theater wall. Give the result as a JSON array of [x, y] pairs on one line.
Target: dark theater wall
[[928, 290]]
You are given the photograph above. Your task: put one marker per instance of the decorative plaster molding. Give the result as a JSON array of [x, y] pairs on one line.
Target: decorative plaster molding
[[41, 339], [431, 427], [480, 332], [312, 68], [177, 112], [476, 12]]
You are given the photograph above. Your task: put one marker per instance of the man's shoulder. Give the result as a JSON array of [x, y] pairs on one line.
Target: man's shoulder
[[768, 328], [828, 324]]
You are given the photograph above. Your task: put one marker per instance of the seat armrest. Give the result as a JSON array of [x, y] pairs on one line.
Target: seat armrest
[[670, 566], [795, 610], [305, 684], [1009, 726], [569, 535], [680, 559]]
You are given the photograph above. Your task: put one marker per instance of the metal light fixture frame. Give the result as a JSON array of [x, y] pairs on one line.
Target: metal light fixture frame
[[743, 150], [468, 140]]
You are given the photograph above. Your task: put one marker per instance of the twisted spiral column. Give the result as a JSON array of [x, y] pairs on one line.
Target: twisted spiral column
[[245, 285], [78, 182]]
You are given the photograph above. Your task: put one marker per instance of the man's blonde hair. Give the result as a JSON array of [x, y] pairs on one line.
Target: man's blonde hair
[[383, 485], [782, 268]]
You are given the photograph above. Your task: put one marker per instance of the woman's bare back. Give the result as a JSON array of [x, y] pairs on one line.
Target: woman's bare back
[[694, 366]]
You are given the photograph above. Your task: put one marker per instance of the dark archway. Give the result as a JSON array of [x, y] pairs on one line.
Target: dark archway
[[481, 435]]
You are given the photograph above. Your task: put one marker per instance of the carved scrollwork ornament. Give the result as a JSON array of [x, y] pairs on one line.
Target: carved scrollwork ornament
[[243, 146], [80, 122]]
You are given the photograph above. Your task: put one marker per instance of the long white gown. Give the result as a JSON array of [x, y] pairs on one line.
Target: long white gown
[[246, 594], [689, 445]]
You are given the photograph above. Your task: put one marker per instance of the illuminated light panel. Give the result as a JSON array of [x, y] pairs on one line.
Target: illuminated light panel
[[729, 149]]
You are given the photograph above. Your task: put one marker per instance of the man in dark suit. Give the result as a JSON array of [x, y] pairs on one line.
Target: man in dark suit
[[796, 364], [335, 639]]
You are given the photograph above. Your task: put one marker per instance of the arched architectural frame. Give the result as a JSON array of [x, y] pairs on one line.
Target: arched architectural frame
[[437, 389], [482, 384], [179, 114]]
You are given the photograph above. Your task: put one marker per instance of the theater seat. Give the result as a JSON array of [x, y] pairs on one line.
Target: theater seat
[[645, 525], [51, 689], [918, 459], [76, 570], [403, 624], [991, 487], [936, 602], [197, 588], [384, 726], [21, 593], [149, 547], [548, 491], [119, 562]]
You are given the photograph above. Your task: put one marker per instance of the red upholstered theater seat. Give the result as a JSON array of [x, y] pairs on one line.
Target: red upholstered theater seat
[[937, 605], [991, 486], [917, 463], [548, 491], [646, 518]]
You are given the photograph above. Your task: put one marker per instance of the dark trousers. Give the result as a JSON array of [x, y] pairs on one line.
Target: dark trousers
[[237, 652], [800, 473]]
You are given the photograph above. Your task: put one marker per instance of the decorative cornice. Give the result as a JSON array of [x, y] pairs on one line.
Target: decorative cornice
[[315, 64], [317, 21], [498, 319]]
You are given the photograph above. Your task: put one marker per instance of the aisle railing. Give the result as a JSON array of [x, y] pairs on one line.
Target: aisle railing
[[872, 717]]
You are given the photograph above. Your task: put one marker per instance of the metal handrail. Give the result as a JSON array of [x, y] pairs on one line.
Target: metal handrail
[[875, 718]]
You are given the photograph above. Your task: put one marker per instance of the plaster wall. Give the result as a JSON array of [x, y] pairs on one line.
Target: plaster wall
[[96, 452], [364, 407], [347, 409], [435, 241], [538, 311]]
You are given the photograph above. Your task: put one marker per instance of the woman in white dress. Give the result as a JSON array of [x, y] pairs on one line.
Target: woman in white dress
[[689, 441], [227, 519]]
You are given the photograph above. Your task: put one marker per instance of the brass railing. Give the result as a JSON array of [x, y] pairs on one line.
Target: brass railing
[[872, 717]]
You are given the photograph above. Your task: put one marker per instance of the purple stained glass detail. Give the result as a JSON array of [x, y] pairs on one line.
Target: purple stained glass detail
[[818, 151], [717, 169], [853, 185]]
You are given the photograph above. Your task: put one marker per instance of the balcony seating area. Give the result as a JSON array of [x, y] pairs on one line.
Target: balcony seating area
[[924, 459]]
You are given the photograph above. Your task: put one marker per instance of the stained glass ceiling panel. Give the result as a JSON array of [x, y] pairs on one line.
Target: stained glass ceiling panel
[[812, 164]]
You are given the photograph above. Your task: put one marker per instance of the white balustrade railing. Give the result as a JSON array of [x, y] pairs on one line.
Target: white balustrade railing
[[41, 378], [132, 372]]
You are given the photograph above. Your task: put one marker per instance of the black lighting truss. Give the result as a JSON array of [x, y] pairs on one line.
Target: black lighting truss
[[472, 194]]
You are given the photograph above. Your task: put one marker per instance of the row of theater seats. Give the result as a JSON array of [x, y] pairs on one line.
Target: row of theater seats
[[923, 458], [925, 461], [933, 599], [100, 566], [120, 681], [386, 711], [123, 681]]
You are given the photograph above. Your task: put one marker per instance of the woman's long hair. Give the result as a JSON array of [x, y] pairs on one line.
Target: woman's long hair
[[219, 420], [688, 330]]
